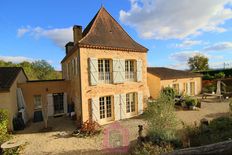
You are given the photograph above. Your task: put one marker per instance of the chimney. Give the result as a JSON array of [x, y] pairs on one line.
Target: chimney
[[77, 33], [68, 47]]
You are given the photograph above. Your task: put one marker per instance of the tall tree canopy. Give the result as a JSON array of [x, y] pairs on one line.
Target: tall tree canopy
[[198, 63], [38, 70]]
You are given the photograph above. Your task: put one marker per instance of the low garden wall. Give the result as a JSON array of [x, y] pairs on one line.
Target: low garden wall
[[222, 148]]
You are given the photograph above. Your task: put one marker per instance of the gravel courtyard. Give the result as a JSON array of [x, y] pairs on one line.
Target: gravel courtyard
[[58, 140]]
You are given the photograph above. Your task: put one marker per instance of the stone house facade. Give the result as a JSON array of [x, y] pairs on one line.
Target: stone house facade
[[107, 71]]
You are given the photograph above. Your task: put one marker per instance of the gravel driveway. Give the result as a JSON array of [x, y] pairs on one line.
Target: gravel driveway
[[58, 140]]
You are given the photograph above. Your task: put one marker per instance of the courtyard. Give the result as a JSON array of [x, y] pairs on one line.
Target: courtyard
[[60, 141]]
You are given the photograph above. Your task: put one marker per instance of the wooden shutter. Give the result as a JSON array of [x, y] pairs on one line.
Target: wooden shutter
[[117, 106], [95, 109], [65, 103], [118, 70], [50, 105], [188, 91], [123, 106], [93, 71], [139, 70], [196, 89], [140, 102]]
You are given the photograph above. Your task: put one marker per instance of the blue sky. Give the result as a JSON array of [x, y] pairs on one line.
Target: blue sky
[[172, 30]]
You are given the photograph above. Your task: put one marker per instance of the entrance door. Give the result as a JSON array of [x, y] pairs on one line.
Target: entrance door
[[58, 100], [105, 107]]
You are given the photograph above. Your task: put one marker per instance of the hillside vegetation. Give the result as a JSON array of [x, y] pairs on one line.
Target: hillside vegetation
[[38, 70]]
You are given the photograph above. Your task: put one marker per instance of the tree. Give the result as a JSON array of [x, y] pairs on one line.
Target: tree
[[38, 70], [198, 63]]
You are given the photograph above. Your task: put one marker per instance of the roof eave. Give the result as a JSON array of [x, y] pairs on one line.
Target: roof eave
[[113, 48]]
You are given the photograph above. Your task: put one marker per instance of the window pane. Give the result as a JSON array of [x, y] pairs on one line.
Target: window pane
[[132, 102], [127, 103], [102, 107], [37, 102], [108, 106]]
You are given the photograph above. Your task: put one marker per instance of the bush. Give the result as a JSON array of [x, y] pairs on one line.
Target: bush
[[161, 118], [169, 92], [88, 128], [230, 106], [210, 88], [207, 77], [3, 126], [151, 149], [219, 75], [190, 101], [218, 130]]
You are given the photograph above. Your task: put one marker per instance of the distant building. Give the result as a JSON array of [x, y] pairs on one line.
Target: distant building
[[183, 82]]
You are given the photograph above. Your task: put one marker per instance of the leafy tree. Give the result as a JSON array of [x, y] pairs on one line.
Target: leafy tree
[[198, 63], [38, 70]]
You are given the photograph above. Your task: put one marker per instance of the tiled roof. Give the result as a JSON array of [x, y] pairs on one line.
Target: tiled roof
[[105, 31], [7, 77], [167, 73]]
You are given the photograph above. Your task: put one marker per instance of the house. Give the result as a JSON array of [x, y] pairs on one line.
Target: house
[[11, 98], [183, 82], [107, 71], [104, 77]]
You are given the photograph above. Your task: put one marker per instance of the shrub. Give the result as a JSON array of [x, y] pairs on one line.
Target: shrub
[[207, 77], [3, 126], [88, 128], [230, 106], [218, 130], [152, 149], [219, 75], [190, 101], [169, 92], [210, 88], [161, 118]]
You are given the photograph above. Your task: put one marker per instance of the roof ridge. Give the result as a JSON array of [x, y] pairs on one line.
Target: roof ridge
[[93, 24]]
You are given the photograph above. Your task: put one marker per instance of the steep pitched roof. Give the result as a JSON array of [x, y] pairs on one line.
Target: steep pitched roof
[[167, 73], [105, 31], [8, 76]]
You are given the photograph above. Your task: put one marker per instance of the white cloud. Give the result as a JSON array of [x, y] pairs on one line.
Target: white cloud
[[219, 46], [181, 58], [178, 19], [16, 59], [60, 36], [188, 43]]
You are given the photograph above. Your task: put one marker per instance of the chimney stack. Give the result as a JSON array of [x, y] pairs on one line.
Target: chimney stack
[[68, 47], [77, 33]]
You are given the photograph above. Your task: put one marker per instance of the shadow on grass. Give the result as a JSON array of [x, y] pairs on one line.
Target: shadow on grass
[[215, 115]]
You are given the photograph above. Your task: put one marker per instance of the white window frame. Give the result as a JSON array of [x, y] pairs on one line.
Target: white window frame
[[130, 70], [37, 102], [105, 107], [192, 91], [178, 89], [104, 71], [130, 103]]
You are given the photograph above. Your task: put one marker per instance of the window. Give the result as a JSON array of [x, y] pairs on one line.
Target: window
[[104, 75], [185, 88], [176, 88], [129, 70], [37, 102], [130, 102], [69, 70], [58, 100], [192, 88], [105, 107]]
